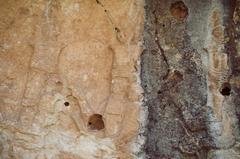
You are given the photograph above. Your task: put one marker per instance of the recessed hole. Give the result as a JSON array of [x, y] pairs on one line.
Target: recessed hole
[[95, 122], [177, 75], [117, 29], [225, 89], [179, 10], [66, 104]]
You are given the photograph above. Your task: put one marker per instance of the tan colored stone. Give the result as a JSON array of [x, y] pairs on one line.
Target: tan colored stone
[[61, 62], [220, 124]]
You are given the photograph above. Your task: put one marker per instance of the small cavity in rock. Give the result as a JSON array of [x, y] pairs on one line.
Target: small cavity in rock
[[66, 104], [225, 89], [179, 10], [95, 122]]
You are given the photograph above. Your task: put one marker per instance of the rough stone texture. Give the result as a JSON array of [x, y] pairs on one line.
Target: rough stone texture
[[70, 79], [190, 70], [63, 61]]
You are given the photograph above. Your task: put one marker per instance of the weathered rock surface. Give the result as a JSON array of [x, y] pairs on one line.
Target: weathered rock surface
[[190, 79], [120, 79], [68, 78]]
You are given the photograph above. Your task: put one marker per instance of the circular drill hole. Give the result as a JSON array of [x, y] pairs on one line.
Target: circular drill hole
[[225, 89], [95, 122]]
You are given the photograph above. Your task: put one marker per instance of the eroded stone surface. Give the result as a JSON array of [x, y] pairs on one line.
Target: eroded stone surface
[[187, 59], [69, 79], [61, 62]]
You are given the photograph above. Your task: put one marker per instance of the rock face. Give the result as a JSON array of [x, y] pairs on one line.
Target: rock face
[[120, 79], [190, 76], [68, 78]]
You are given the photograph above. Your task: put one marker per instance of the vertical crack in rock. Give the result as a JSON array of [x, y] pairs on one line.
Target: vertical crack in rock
[[191, 87], [159, 46], [175, 102], [233, 49], [109, 17]]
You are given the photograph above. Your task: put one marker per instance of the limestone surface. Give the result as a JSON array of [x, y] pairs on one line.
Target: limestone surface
[[68, 78], [120, 79]]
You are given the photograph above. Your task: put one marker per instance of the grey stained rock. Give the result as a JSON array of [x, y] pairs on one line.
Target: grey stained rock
[[190, 76]]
